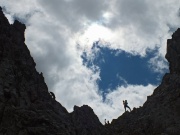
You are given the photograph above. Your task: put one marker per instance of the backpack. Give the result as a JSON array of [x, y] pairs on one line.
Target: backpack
[[125, 102]]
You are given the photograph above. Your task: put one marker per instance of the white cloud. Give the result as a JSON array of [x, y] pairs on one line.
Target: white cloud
[[124, 81], [54, 28], [113, 106], [23, 9], [157, 64]]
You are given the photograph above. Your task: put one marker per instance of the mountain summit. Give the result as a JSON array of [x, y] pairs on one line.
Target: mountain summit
[[28, 108]]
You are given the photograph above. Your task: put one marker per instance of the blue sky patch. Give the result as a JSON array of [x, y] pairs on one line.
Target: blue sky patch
[[120, 68]]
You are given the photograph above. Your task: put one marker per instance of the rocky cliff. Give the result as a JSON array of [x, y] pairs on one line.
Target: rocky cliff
[[27, 108], [160, 114]]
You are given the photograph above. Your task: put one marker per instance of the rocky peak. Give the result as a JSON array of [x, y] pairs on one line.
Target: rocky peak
[[85, 115], [173, 52], [26, 106], [4, 20], [86, 121], [19, 26]]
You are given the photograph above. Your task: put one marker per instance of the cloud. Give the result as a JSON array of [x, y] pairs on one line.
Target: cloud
[[113, 106], [75, 14], [142, 24], [157, 64], [58, 32], [21, 10]]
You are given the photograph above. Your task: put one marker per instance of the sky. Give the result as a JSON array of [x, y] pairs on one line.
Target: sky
[[98, 52]]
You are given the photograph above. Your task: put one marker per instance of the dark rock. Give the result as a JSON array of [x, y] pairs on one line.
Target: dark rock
[[52, 95], [27, 108], [173, 53], [160, 114], [86, 122]]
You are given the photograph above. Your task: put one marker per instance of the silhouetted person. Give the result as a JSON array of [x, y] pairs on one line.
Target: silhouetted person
[[108, 122], [125, 103], [105, 121], [52, 94]]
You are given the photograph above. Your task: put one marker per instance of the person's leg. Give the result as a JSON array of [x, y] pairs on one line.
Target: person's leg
[[129, 108], [125, 108]]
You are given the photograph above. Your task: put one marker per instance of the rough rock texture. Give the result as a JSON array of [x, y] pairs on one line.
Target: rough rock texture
[[26, 107]]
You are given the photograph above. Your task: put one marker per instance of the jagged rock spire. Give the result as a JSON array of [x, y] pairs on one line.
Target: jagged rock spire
[[173, 52]]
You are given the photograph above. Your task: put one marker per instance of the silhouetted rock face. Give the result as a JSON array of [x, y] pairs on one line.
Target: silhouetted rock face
[[160, 114], [26, 107], [85, 121], [173, 52]]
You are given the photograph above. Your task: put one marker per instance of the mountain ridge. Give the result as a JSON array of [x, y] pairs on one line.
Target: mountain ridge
[[27, 108]]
